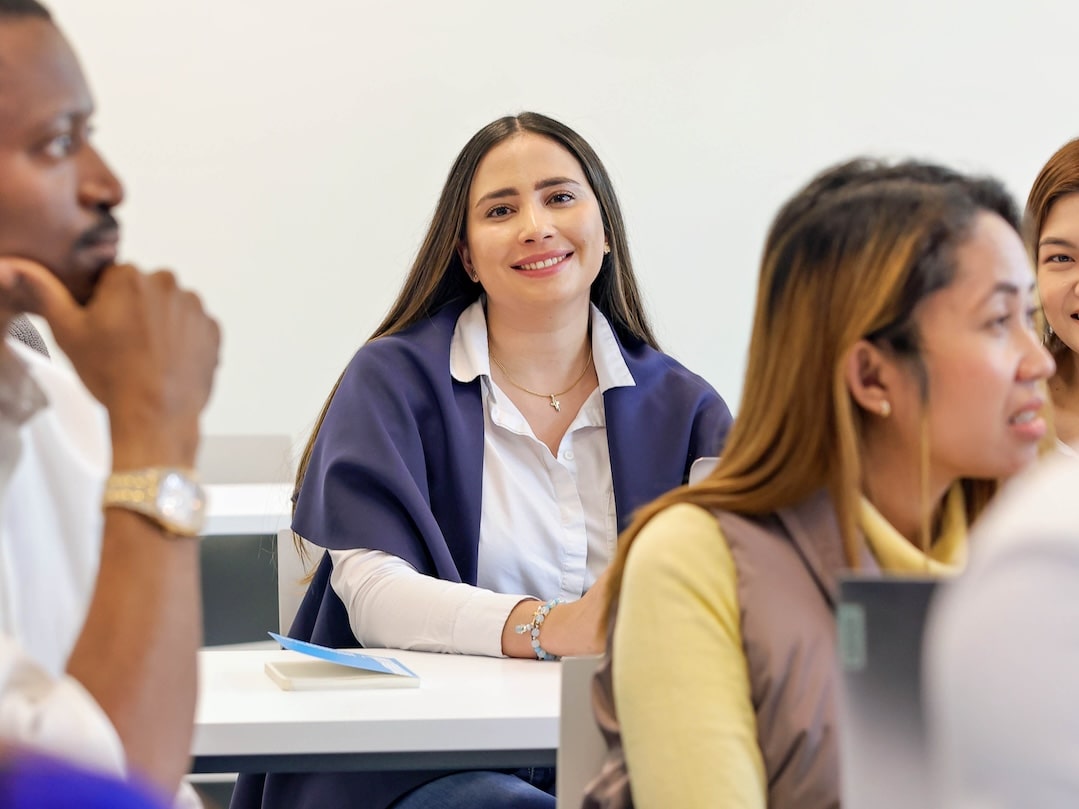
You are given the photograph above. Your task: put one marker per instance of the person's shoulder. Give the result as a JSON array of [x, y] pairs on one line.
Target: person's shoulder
[[426, 341], [651, 367], [681, 550], [403, 367], [683, 529], [63, 389], [34, 362], [37, 781], [1033, 507], [1029, 522]]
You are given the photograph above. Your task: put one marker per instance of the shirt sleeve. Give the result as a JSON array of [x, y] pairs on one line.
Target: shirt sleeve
[[679, 670], [55, 715], [391, 604]]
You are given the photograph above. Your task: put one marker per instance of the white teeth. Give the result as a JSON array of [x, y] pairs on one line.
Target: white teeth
[[541, 265], [1024, 417]]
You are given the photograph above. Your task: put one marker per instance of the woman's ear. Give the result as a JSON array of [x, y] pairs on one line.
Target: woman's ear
[[868, 372], [466, 260]]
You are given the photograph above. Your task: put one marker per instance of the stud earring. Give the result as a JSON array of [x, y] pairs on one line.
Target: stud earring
[[885, 409], [606, 249]]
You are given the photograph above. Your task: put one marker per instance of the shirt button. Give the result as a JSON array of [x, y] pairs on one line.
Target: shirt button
[[568, 455]]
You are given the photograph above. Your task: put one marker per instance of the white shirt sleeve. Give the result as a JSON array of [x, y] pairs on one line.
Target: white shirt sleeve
[[54, 715], [391, 604]]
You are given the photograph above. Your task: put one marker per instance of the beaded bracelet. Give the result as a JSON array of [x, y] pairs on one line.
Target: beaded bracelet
[[533, 628]]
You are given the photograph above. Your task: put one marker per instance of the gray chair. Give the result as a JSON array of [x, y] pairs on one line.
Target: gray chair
[[581, 748], [240, 578], [292, 572], [702, 468], [245, 459]]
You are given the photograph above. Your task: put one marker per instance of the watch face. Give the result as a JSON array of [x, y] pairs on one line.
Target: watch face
[[180, 500]]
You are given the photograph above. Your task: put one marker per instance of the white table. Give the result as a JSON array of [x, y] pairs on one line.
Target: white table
[[244, 509], [468, 712]]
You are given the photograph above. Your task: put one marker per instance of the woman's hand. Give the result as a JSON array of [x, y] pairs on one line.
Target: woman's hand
[[572, 628]]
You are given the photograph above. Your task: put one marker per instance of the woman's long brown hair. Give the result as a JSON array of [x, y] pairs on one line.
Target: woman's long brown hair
[[849, 258]]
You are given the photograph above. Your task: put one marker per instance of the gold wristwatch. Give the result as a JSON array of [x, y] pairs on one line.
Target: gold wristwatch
[[169, 496]]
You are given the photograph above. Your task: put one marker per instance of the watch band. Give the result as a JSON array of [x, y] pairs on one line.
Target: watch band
[[169, 496]]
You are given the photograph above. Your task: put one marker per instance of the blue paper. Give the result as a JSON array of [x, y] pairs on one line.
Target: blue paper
[[346, 657]]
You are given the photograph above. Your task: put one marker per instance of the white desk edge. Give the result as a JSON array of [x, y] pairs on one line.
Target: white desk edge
[[247, 508], [469, 705]]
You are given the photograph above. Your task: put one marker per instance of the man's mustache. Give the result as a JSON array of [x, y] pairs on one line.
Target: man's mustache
[[107, 228]]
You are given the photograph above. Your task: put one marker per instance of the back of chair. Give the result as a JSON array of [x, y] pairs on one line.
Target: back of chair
[[245, 459], [291, 576], [702, 468], [581, 748]]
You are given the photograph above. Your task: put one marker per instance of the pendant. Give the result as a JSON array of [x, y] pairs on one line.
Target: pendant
[[557, 405]]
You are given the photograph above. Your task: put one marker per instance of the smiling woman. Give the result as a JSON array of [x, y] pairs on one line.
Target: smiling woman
[[1053, 241], [534, 242], [472, 468]]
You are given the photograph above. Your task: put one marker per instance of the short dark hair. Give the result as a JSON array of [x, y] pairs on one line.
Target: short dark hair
[[24, 8]]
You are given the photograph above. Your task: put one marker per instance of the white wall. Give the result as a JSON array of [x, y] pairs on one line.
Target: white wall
[[284, 157]]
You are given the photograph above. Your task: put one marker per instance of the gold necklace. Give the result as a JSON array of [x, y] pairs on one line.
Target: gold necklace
[[557, 405]]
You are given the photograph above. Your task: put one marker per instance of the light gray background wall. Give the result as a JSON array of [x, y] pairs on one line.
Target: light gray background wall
[[284, 157]]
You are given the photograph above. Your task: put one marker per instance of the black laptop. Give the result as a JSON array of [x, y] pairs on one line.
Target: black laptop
[[883, 756]]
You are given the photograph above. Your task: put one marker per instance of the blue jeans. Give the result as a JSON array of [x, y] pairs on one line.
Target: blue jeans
[[528, 788]]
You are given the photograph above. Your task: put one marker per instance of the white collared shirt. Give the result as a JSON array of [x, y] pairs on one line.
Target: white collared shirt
[[54, 459], [548, 525], [54, 455]]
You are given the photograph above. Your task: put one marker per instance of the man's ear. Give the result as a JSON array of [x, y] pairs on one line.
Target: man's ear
[[466, 259], [868, 373]]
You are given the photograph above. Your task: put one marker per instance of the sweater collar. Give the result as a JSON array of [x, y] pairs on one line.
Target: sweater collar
[[896, 554]]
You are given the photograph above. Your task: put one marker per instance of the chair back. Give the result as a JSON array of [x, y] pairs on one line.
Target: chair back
[[702, 468], [581, 748], [245, 459], [291, 576]]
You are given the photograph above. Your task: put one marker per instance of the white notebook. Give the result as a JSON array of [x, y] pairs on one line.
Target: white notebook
[[319, 667], [314, 675]]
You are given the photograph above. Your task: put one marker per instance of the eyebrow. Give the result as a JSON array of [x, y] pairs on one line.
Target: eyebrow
[[502, 193], [1055, 240], [66, 118], [1009, 289]]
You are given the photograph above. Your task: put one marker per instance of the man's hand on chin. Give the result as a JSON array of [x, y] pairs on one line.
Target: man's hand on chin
[[28, 287]]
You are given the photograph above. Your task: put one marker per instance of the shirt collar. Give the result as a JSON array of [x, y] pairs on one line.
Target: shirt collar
[[20, 396], [896, 554], [469, 357]]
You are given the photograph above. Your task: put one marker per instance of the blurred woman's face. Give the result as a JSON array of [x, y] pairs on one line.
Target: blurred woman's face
[[1058, 269], [983, 361]]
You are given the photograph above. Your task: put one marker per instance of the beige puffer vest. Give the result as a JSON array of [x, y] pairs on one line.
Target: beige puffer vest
[[787, 565]]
